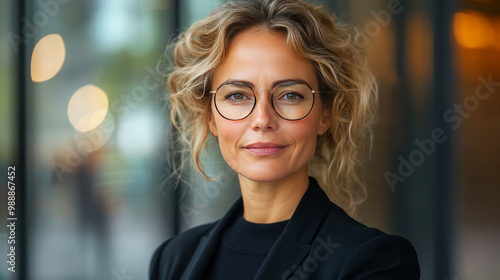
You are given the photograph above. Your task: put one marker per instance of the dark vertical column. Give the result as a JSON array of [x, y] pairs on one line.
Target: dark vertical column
[[21, 175], [402, 213], [177, 16], [177, 191], [443, 100]]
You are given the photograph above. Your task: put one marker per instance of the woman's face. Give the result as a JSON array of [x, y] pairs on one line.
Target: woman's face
[[264, 147]]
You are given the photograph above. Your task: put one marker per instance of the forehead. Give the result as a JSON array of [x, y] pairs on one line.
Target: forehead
[[263, 57]]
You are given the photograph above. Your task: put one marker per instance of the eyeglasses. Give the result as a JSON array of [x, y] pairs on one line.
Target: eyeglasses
[[292, 100]]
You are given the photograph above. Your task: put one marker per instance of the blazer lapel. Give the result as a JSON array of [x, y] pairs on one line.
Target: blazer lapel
[[283, 259], [200, 259], [295, 242], [208, 244]]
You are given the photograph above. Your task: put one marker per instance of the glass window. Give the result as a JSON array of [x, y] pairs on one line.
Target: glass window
[[96, 127]]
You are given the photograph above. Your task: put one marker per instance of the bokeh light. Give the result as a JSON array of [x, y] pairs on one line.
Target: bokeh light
[[47, 58], [138, 135], [473, 30], [87, 108]]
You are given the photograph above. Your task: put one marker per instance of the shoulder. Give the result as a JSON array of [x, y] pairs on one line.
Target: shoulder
[[364, 252], [175, 253], [337, 223], [384, 256]]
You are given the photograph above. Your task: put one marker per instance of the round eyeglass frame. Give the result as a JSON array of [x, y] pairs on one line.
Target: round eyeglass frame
[[213, 92]]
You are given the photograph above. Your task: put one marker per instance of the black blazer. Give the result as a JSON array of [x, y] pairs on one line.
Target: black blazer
[[319, 242]]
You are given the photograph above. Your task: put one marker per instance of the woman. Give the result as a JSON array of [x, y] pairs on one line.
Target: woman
[[288, 95]]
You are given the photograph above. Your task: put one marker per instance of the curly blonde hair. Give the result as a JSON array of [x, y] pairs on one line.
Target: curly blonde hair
[[348, 88]]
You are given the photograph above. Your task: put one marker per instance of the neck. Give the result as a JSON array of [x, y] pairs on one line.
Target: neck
[[271, 202]]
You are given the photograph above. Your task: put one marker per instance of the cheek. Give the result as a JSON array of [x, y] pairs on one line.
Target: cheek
[[305, 136], [229, 134]]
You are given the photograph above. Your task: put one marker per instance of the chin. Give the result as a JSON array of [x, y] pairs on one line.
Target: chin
[[266, 175]]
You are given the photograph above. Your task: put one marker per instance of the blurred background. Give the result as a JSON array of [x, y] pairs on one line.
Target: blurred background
[[82, 120]]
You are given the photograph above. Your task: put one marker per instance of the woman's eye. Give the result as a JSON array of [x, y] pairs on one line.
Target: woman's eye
[[291, 96], [236, 96]]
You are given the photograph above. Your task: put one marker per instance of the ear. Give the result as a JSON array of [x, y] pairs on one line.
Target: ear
[[324, 122], [212, 126]]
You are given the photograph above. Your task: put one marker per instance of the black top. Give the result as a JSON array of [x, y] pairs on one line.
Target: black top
[[243, 248], [320, 241]]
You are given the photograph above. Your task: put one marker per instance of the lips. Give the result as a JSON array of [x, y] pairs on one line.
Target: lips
[[264, 148]]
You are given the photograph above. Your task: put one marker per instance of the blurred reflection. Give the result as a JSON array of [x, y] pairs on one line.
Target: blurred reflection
[[92, 213], [473, 30], [48, 58], [87, 108], [94, 139]]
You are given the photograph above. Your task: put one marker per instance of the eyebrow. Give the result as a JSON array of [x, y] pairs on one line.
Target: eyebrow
[[275, 83]]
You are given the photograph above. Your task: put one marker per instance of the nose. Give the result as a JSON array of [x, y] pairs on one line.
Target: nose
[[263, 116]]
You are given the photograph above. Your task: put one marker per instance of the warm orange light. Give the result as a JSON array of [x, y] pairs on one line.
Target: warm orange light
[[87, 108], [47, 58], [419, 55], [497, 28], [473, 30]]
